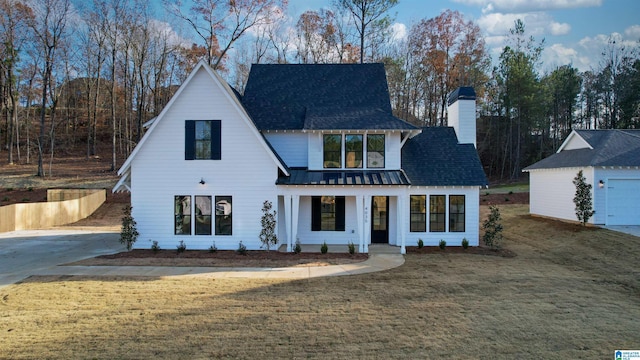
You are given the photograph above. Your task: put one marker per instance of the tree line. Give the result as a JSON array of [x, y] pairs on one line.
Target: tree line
[[87, 76]]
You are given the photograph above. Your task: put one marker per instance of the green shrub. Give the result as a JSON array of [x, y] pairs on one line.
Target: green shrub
[[29, 188], [510, 192], [129, 232], [324, 248], [9, 189], [297, 248], [181, 247], [465, 243], [213, 248], [352, 248], [420, 244], [492, 228], [155, 247], [6, 198], [25, 199], [242, 249], [443, 244]]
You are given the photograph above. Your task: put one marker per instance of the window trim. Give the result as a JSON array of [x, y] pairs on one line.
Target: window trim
[[190, 141], [413, 225], [218, 231], [316, 213], [325, 151], [370, 151], [175, 215], [452, 222], [442, 223]]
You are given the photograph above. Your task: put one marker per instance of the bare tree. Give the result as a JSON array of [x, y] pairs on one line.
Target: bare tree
[[220, 23], [365, 13]]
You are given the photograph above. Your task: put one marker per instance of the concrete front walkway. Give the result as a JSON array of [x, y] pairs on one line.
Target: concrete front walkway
[[45, 252]]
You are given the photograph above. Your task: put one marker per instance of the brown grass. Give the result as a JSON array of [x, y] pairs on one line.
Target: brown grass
[[570, 292]]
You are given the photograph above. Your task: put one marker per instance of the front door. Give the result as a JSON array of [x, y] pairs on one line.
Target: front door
[[380, 219]]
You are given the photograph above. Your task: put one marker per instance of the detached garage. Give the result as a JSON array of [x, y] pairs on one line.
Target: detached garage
[[609, 160]]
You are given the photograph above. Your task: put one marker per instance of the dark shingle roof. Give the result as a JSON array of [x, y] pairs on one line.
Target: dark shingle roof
[[319, 96], [434, 158], [344, 177], [461, 93], [610, 148]]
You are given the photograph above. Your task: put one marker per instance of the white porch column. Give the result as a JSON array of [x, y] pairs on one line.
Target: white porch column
[[361, 221], [287, 220], [295, 210], [402, 211], [367, 223]]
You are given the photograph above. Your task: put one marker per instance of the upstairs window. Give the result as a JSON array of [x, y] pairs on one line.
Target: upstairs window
[[375, 151], [332, 145], [202, 140], [353, 151]]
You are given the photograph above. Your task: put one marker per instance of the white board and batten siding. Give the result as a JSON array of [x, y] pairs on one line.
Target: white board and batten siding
[[472, 216], [551, 192], [618, 202], [159, 171], [392, 148], [292, 146]]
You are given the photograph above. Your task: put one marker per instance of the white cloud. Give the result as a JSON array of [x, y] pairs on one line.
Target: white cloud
[[559, 29], [633, 32], [529, 5], [398, 32], [557, 55], [537, 24]]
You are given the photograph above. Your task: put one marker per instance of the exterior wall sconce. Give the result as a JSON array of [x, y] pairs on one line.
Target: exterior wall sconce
[[600, 184], [202, 182]]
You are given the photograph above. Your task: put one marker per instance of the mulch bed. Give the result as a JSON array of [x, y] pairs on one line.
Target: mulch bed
[[476, 250]]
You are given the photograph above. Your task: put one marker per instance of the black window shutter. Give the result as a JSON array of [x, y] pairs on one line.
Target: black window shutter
[[339, 213], [189, 140], [316, 216], [216, 140]]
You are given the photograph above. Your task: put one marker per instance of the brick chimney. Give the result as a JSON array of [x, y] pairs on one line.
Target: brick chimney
[[461, 111]]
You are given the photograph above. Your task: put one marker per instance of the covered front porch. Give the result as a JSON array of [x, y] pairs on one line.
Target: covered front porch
[[338, 217]]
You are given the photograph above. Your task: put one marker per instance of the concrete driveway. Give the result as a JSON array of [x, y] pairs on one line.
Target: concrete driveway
[[23, 253]]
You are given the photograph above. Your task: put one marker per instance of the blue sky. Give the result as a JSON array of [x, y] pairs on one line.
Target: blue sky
[[575, 31]]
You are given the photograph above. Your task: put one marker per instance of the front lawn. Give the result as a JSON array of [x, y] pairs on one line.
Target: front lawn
[[570, 292]]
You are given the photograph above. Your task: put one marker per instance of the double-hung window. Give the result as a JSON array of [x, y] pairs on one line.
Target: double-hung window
[[418, 213], [223, 215], [203, 140], [182, 215], [437, 214], [375, 150], [353, 151], [456, 213], [332, 147]]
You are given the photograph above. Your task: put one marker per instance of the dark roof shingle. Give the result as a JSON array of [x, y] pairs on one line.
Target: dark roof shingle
[[319, 96], [434, 158], [610, 148]]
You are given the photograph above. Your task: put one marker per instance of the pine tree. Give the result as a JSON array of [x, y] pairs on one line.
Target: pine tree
[[582, 199], [268, 221]]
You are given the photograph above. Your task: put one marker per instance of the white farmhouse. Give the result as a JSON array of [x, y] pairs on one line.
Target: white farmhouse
[[321, 144]]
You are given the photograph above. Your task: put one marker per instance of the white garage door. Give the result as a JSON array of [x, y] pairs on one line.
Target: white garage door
[[623, 202]]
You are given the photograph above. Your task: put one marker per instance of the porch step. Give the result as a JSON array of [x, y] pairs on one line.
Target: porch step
[[379, 249]]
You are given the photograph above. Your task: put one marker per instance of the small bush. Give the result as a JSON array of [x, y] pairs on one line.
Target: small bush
[[9, 189], [29, 188], [324, 248], [352, 248], [242, 249], [510, 192], [155, 247], [492, 228], [129, 232], [213, 248], [486, 193], [181, 247], [443, 244], [25, 199], [506, 199], [420, 244], [465, 243], [6, 198], [298, 248]]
